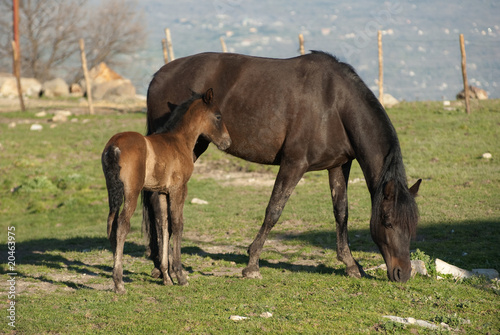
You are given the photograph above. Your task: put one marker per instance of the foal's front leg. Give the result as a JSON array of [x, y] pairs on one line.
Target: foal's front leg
[[176, 200]]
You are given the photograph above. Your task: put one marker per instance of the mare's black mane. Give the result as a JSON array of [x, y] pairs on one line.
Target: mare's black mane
[[406, 210], [177, 114]]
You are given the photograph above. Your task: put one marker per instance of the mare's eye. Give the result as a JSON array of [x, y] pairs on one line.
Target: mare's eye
[[218, 117]]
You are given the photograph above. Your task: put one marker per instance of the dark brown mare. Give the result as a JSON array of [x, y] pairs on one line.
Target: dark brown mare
[[163, 163], [306, 113]]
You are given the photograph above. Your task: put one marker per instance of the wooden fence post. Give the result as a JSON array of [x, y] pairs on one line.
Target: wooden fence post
[[169, 44], [86, 76], [165, 52], [16, 52], [464, 74], [380, 69], [223, 44], [301, 44], [17, 74]]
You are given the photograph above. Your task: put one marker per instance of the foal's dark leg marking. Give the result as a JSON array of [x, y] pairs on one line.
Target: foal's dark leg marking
[[339, 178], [155, 232], [176, 207], [288, 177]]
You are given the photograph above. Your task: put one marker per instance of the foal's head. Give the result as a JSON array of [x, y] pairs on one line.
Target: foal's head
[[211, 124]]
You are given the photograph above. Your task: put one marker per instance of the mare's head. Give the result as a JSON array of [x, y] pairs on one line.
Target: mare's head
[[211, 124], [393, 224]]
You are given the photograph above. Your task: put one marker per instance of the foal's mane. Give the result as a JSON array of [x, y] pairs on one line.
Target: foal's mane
[[177, 114]]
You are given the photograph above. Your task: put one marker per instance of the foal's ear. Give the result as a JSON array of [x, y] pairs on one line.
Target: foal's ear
[[415, 187], [208, 96], [172, 106]]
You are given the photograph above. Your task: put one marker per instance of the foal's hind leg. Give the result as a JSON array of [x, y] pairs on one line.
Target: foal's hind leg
[[339, 178], [163, 239], [176, 200], [118, 234]]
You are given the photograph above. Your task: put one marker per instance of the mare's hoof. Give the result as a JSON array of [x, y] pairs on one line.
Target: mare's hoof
[[251, 273], [156, 273], [168, 282]]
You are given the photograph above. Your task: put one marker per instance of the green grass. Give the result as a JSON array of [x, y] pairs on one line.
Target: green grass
[[53, 193]]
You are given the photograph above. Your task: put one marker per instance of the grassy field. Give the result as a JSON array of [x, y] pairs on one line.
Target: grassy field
[[53, 194]]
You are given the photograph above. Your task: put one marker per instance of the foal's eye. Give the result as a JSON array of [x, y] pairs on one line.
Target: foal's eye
[[218, 117], [388, 225]]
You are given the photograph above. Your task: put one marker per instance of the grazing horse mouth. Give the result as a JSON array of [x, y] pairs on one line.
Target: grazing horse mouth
[[397, 274]]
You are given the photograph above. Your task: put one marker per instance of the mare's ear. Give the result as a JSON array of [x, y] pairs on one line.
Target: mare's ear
[[389, 190], [208, 96], [172, 106], [415, 187]]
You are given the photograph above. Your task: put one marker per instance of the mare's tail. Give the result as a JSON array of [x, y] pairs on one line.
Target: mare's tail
[[110, 165]]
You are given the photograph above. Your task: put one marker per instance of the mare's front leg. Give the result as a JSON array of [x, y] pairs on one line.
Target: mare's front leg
[[117, 237], [288, 177], [339, 178], [176, 200], [163, 234]]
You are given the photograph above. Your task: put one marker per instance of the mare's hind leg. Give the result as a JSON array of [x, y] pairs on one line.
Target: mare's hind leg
[[339, 178], [163, 234], [117, 237], [288, 177], [176, 200]]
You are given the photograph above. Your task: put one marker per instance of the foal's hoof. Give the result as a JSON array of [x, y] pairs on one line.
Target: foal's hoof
[[155, 273], [120, 289], [251, 273], [167, 282]]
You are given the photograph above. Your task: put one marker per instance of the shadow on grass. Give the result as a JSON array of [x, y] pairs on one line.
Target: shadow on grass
[[468, 244], [50, 253], [243, 259]]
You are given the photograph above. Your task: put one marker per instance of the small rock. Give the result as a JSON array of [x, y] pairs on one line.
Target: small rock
[[237, 318], [418, 266], [41, 114], [487, 155], [266, 315], [488, 273], [199, 201], [12, 125], [456, 272], [36, 126]]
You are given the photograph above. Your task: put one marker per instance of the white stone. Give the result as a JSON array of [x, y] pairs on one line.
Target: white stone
[[237, 318], [487, 155], [488, 273], [456, 272], [266, 315], [199, 201], [36, 126]]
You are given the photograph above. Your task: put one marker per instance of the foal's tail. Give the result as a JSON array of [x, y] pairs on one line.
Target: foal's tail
[[110, 165]]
